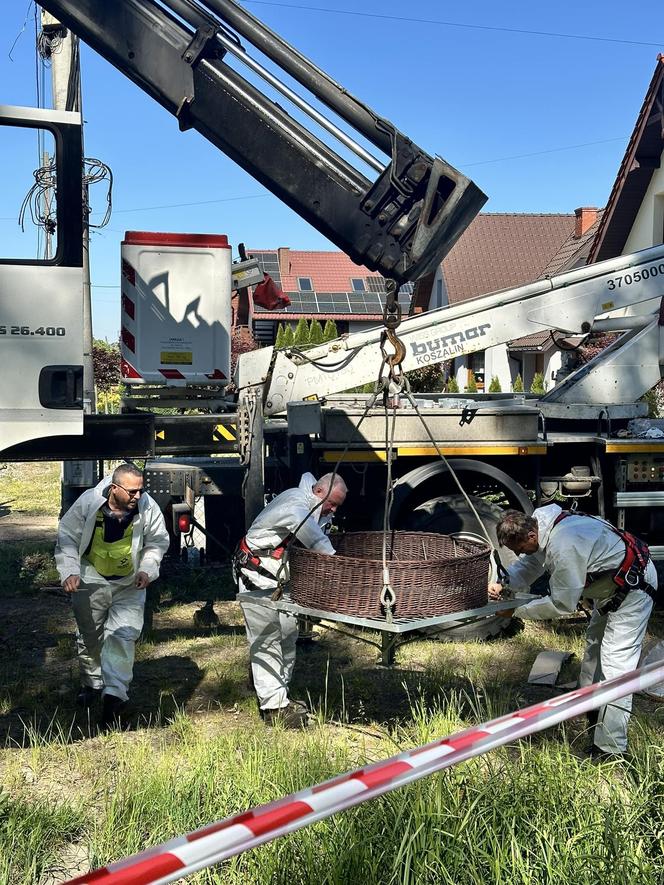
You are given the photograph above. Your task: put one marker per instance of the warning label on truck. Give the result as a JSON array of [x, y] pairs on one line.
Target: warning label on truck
[[180, 357]]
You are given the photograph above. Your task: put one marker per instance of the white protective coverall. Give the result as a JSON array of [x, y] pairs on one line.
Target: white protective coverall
[[109, 613], [272, 634], [577, 547]]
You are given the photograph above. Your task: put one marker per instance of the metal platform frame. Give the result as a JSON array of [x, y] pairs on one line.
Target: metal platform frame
[[392, 633]]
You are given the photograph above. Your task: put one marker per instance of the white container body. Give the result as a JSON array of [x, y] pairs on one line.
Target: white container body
[[176, 309]]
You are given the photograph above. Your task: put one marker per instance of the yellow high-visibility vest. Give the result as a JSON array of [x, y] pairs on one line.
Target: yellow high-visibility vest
[[110, 558]]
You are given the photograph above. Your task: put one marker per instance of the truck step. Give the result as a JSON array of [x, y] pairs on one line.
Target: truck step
[[638, 499]]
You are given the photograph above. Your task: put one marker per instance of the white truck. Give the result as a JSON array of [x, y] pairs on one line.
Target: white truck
[[287, 412]]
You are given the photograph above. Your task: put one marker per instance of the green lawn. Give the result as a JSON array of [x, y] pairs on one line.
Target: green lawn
[[32, 488], [535, 812]]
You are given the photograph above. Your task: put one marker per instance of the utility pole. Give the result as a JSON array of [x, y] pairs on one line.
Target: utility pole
[[66, 94], [65, 71]]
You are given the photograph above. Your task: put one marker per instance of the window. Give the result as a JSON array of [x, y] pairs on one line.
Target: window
[[36, 241], [304, 284], [358, 285]]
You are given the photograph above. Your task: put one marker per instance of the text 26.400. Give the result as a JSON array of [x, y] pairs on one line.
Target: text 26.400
[[48, 331]]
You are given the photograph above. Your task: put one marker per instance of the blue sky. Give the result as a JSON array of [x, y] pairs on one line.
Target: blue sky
[[535, 102]]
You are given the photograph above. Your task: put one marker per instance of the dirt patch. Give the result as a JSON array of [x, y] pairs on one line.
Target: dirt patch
[[28, 527]]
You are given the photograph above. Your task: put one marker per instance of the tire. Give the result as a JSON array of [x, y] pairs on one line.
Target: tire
[[448, 515]]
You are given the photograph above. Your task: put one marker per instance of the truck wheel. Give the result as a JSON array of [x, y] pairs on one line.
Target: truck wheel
[[449, 515]]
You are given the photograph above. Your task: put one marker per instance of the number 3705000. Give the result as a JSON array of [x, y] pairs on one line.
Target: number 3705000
[[636, 276]]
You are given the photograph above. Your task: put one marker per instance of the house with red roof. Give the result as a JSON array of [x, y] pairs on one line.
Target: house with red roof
[[634, 215], [498, 251], [324, 285], [503, 251]]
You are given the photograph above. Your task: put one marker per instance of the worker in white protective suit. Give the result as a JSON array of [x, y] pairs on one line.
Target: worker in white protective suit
[[109, 547], [260, 566], [586, 558]]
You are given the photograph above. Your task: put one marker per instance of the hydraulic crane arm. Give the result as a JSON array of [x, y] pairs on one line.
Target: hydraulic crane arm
[[573, 302], [401, 224]]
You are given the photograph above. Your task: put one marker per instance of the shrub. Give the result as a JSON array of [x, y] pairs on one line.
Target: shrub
[[301, 335], [517, 387], [288, 336], [106, 364], [452, 385], [108, 400], [242, 341], [330, 331], [495, 387], [315, 332], [428, 379], [471, 387], [539, 384], [279, 341], [654, 400]]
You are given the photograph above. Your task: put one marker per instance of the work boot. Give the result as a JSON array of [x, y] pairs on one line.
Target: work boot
[[291, 716], [111, 707], [87, 696], [598, 755]]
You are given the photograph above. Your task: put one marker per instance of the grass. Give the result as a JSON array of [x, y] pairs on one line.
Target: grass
[[26, 567], [32, 835], [31, 488], [530, 813]]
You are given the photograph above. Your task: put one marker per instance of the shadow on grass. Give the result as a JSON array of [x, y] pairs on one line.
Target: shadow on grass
[[170, 634], [329, 674], [161, 687]]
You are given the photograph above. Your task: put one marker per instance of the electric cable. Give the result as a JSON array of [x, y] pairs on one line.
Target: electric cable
[[325, 367], [451, 24]]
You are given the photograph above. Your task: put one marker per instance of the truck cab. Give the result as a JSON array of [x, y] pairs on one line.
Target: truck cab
[[41, 278]]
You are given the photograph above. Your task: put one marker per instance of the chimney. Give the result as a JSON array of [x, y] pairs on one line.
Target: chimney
[[586, 216], [284, 261]]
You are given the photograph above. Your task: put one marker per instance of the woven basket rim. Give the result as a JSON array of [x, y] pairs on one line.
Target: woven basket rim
[[482, 549]]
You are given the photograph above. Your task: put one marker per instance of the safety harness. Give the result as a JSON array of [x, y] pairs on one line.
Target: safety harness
[[631, 573], [250, 560]]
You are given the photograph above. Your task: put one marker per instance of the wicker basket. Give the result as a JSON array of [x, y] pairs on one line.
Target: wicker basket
[[430, 574]]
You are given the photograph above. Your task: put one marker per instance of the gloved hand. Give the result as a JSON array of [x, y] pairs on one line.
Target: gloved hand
[[495, 591], [71, 584]]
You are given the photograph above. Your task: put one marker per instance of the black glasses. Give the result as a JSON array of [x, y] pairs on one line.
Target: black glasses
[[130, 492]]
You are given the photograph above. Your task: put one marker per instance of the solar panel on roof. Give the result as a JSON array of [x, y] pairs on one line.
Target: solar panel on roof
[[269, 264], [375, 284]]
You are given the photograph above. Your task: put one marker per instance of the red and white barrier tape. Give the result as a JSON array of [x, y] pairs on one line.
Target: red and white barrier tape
[[226, 838]]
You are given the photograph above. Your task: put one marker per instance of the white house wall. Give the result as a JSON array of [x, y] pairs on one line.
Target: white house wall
[[648, 227], [552, 363], [497, 362]]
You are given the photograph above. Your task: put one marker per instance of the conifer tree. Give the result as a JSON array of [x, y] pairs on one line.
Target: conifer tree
[[538, 385], [315, 332], [330, 331], [495, 387], [471, 387], [279, 343], [517, 387], [301, 335], [288, 336]]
